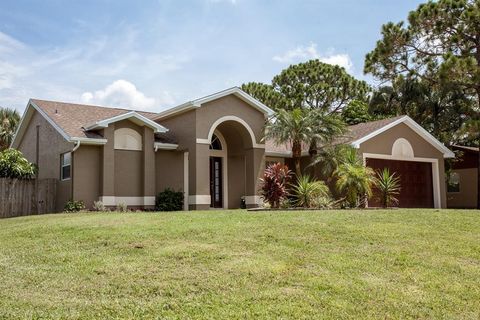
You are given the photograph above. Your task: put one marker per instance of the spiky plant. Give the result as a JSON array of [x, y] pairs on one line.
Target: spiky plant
[[308, 192], [388, 185]]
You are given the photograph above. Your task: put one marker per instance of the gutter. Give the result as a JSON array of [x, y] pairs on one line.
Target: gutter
[[77, 145]]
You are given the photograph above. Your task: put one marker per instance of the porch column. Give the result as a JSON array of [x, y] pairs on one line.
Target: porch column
[[255, 163], [107, 179], [148, 168], [199, 173]]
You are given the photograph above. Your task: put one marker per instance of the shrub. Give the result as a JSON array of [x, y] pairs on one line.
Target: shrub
[[354, 180], [307, 192], [14, 165], [99, 206], [74, 206], [274, 182], [122, 207], [326, 202], [169, 200], [388, 185]]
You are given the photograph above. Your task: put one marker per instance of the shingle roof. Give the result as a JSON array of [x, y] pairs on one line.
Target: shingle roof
[[73, 117], [361, 130], [166, 137], [474, 149]]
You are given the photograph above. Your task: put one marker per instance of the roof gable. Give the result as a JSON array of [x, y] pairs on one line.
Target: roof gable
[[190, 105], [412, 125], [132, 116]]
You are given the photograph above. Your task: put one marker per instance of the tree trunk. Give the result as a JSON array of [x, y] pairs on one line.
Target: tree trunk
[[296, 154], [313, 153], [298, 171]]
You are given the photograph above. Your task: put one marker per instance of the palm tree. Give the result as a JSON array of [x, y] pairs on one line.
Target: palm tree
[[9, 119], [388, 185], [330, 157], [354, 179], [300, 127]]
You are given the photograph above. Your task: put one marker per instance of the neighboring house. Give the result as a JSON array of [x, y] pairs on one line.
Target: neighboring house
[[462, 189], [210, 148]]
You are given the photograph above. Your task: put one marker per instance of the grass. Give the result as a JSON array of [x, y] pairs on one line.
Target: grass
[[237, 265]]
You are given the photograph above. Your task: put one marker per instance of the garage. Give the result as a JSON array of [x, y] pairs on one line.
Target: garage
[[415, 180]]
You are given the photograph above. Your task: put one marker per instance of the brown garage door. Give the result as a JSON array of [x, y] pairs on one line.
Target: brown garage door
[[415, 181]]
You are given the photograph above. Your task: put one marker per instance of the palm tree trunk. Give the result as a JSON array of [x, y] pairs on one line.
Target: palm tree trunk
[[296, 154]]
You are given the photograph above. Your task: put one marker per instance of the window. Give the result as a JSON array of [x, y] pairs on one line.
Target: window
[[453, 182], [127, 139], [65, 163], [216, 144]]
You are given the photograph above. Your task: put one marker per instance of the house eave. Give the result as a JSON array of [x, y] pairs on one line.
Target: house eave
[[190, 105], [129, 115]]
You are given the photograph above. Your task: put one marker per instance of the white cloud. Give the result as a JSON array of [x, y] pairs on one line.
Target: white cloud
[[65, 72], [121, 93], [303, 53], [218, 1]]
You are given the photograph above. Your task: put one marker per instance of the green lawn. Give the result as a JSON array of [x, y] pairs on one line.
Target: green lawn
[[237, 264]]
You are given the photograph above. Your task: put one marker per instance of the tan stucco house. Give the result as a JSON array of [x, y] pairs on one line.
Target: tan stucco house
[[211, 149], [463, 186]]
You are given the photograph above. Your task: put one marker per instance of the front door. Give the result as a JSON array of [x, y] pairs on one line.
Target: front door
[[216, 182]]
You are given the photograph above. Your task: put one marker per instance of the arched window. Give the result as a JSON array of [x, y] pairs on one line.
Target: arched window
[[127, 139], [402, 149], [215, 144]]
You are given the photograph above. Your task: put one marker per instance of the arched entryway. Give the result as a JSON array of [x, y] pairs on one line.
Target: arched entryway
[[234, 163]]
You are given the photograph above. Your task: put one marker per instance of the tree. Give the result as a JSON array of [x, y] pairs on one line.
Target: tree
[[440, 109], [9, 119], [300, 127], [310, 85], [330, 157], [356, 112], [266, 94], [440, 44], [14, 165], [355, 181]]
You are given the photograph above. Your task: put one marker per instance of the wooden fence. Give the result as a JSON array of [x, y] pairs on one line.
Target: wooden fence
[[18, 197]]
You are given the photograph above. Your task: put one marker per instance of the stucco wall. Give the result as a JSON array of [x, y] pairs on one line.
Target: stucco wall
[[183, 127], [383, 143], [467, 197], [129, 166], [86, 171], [169, 170], [51, 146]]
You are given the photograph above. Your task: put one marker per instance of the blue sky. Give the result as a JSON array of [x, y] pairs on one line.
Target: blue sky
[[151, 55]]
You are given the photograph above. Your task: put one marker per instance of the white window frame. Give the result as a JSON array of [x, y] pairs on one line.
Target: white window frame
[[62, 165]]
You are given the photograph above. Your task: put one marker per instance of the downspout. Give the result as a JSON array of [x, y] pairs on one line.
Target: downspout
[[77, 145]]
